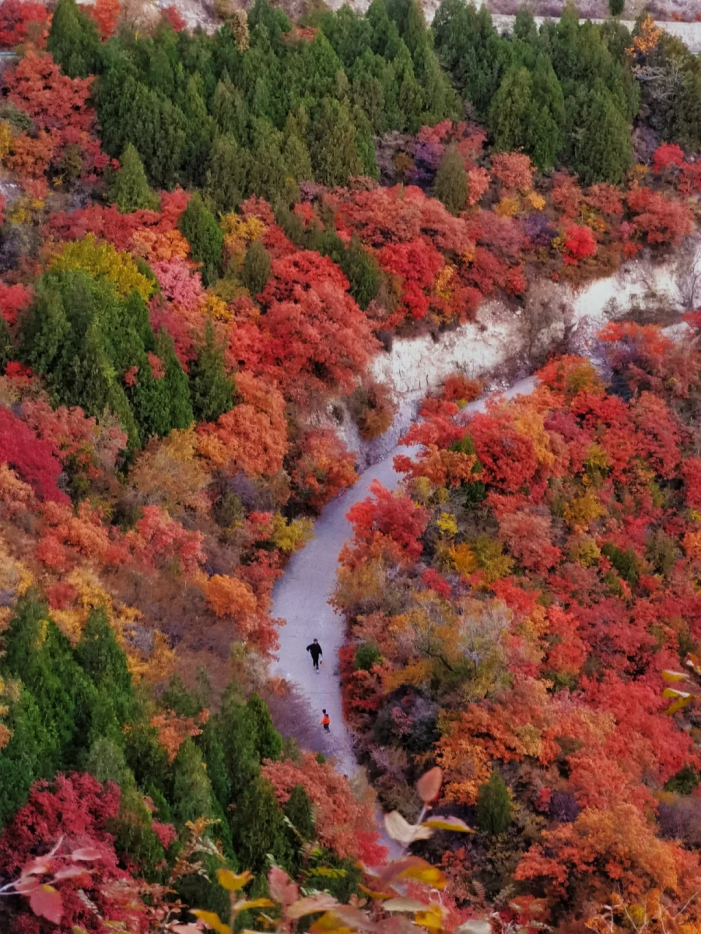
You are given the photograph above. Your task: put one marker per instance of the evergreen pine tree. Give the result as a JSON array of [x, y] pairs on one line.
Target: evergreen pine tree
[[6, 346], [603, 151], [258, 828], [228, 174], [267, 739], [175, 384], [107, 762], [37, 652], [362, 272], [129, 189], [493, 806], [105, 663], [450, 185], [211, 388], [201, 230], [512, 112], [229, 110], [256, 268], [74, 41], [334, 148], [546, 135], [300, 812], [616, 7], [192, 789], [29, 755]]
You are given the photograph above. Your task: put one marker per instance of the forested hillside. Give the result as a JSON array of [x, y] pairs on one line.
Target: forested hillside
[[205, 241], [514, 613]]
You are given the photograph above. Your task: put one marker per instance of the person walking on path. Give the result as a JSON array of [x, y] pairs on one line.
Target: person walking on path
[[326, 722], [315, 650]]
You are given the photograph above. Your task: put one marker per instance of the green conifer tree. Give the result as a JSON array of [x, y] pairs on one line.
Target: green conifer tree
[[258, 828], [603, 151], [74, 41], [334, 148], [267, 739], [105, 663], [493, 805], [129, 189], [175, 384], [300, 812], [512, 111], [211, 387], [201, 230], [256, 268], [450, 185], [362, 272]]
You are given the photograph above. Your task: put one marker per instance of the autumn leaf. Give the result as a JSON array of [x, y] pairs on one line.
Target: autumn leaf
[[402, 831], [45, 902], [429, 785], [69, 872], [311, 904], [281, 887], [254, 903], [369, 892], [447, 823], [86, 854], [430, 917], [426, 874], [674, 675], [403, 904], [474, 926], [212, 920], [231, 881], [37, 867]]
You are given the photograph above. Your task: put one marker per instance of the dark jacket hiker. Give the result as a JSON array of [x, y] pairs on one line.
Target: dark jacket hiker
[[315, 651]]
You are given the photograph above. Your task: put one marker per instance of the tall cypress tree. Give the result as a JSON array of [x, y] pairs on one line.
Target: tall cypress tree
[[129, 189], [74, 41], [256, 268], [493, 805], [211, 387], [450, 185], [511, 113], [180, 414], [603, 151], [201, 230]]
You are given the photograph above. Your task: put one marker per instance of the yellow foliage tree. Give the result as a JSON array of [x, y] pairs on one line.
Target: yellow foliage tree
[[168, 473], [102, 261], [228, 596], [154, 665]]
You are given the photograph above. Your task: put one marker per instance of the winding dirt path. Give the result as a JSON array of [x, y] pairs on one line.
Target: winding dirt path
[[301, 598]]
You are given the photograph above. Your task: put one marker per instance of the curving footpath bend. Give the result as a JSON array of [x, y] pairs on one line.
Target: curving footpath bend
[[301, 599]]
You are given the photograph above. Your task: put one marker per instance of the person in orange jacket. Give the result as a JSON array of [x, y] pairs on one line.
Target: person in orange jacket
[[326, 721]]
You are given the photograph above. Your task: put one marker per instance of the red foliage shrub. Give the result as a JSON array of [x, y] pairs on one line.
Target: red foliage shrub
[[661, 219], [20, 19], [52, 99], [172, 15], [514, 170], [73, 809], [323, 467], [667, 155], [35, 461], [391, 520], [579, 243], [507, 458], [13, 298], [301, 271], [319, 341], [106, 15]]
